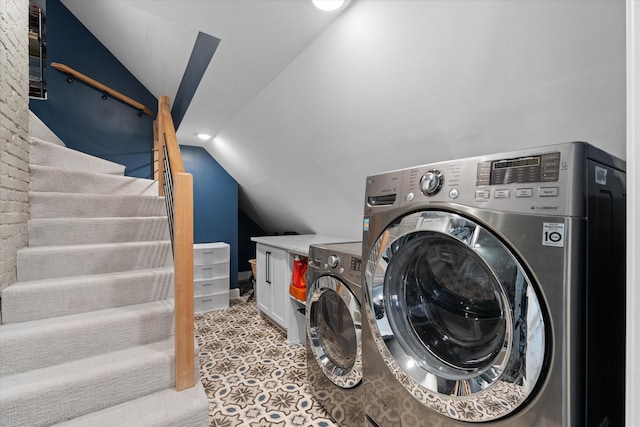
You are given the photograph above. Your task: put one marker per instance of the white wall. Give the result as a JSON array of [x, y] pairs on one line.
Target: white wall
[[393, 84], [633, 210]]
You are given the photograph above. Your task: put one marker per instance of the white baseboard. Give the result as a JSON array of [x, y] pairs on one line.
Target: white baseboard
[[234, 293]]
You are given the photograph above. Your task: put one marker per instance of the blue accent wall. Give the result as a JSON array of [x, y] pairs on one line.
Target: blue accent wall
[[215, 203], [77, 113], [247, 228]]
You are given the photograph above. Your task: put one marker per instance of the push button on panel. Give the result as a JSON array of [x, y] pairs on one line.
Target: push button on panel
[[548, 191], [483, 173], [524, 192], [482, 195], [501, 194]]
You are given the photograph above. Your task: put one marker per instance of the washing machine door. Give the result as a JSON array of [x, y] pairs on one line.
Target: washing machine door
[[334, 324], [455, 316]]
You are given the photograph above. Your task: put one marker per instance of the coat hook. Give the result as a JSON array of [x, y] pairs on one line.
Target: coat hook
[[69, 78], [104, 96]]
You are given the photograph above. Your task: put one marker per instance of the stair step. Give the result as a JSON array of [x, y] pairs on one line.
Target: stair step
[[166, 408], [47, 342], [79, 205], [50, 262], [80, 231], [48, 178], [46, 153], [42, 299], [87, 331], [62, 392]]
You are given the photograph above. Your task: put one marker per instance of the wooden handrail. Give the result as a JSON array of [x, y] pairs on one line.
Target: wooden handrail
[[180, 212], [105, 89], [175, 159]]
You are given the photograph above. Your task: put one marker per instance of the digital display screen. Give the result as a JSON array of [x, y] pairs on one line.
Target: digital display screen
[[522, 170], [517, 163]]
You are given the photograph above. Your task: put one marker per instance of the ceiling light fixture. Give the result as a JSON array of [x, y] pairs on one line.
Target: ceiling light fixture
[[204, 136], [328, 5]]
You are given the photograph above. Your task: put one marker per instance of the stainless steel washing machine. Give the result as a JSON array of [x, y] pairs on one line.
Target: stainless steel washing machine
[[494, 291], [334, 325]]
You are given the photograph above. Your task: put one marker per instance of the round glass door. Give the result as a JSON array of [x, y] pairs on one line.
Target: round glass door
[[333, 329], [455, 314]]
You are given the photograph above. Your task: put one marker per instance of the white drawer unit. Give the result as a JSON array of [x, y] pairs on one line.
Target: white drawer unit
[[210, 286], [210, 253], [211, 276], [210, 271], [205, 303]]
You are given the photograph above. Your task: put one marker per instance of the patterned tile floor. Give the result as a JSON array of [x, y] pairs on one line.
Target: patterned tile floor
[[251, 376]]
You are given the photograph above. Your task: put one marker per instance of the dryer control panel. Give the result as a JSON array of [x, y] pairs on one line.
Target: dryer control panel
[[343, 265], [342, 260]]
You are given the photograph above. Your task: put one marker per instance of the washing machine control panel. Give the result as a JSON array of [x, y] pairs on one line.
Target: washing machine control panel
[[529, 181], [524, 184]]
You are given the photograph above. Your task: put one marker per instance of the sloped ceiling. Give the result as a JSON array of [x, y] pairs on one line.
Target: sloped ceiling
[[154, 39], [304, 105]]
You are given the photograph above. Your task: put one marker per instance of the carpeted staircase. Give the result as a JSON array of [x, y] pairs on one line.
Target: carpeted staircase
[[87, 331]]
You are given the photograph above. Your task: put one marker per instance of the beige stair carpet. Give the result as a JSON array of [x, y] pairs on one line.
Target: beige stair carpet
[[87, 333]]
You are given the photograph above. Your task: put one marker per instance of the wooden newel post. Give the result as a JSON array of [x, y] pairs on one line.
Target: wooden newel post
[[183, 262]]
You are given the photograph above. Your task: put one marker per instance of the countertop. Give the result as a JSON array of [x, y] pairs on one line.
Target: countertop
[[299, 243]]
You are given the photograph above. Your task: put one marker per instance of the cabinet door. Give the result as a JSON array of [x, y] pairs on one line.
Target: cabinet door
[[280, 281], [264, 292]]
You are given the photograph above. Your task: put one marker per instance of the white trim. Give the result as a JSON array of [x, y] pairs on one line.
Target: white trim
[[632, 387], [234, 293]]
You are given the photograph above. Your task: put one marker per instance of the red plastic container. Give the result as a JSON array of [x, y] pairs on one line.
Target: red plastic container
[[298, 288]]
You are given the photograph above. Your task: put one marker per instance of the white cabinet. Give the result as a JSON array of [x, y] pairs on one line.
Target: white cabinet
[[274, 264], [210, 276], [272, 284]]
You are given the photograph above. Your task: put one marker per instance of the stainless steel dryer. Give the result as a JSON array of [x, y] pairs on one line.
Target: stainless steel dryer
[[494, 291], [334, 345]]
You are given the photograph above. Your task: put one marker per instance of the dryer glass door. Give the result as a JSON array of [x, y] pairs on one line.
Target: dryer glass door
[[333, 328], [455, 313]]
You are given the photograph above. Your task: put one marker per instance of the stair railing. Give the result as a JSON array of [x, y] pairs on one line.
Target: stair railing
[[106, 90], [177, 188]]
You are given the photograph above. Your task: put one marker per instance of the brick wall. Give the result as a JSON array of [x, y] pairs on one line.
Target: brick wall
[[14, 125]]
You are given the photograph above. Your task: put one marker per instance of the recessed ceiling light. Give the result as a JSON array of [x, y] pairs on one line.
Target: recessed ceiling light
[[204, 136], [328, 5]]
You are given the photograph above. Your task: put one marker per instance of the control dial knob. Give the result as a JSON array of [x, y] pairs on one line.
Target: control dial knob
[[431, 182], [333, 260]]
